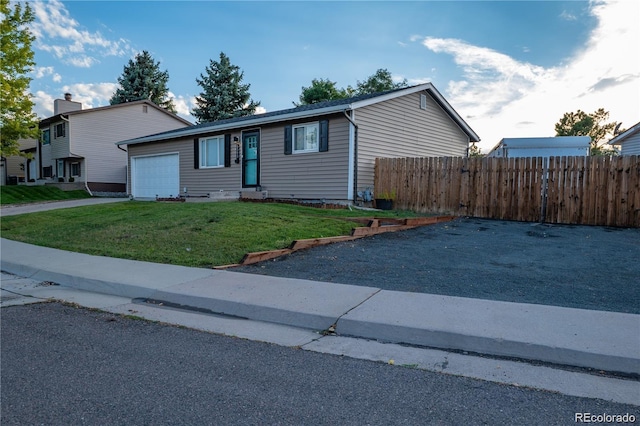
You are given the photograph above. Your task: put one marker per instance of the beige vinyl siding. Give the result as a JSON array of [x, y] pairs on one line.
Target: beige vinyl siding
[[400, 128], [94, 134], [310, 176], [318, 175], [199, 182]]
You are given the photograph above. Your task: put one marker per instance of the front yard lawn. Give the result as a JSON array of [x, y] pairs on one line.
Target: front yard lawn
[[190, 234], [22, 194]]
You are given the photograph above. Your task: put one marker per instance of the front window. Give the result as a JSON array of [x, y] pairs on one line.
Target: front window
[[46, 137], [75, 169], [305, 138], [212, 152]]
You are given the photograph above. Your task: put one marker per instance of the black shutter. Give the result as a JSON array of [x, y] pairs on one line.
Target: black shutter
[[324, 136], [196, 154], [227, 150], [288, 140]]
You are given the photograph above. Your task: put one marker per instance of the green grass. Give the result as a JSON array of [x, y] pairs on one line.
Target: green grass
[[22, 194], [190, 234]]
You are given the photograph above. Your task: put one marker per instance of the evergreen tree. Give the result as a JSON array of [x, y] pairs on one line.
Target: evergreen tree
[[223, 94], [17, 119], [142, 79], [381, 81]]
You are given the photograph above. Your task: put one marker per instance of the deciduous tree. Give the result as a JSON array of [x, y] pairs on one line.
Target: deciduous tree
[[322, 90], [594, 125], [381, 81], [17, 119], [475, 151], [143, 79], [223, 94]]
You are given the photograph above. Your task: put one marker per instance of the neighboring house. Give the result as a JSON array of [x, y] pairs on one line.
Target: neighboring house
[[558, 146], [629, 141], [323, 151], [80, 144], [17, 169]]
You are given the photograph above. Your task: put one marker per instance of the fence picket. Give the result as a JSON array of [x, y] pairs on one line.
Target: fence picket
[[580, 190]]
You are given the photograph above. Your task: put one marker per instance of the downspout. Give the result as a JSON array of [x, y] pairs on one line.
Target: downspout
[[86, 162], [127, 152], [355, 156]]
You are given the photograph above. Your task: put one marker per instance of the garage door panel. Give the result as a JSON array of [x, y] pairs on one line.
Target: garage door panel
[[157, 175]]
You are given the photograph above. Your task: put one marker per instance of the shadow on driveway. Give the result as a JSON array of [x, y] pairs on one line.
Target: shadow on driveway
[[584, 267]]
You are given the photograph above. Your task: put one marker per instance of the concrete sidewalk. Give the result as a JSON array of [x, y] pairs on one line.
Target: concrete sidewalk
[[600, 340], [16, 209]]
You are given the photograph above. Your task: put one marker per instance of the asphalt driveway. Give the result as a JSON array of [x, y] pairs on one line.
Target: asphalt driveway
[[572, 266]]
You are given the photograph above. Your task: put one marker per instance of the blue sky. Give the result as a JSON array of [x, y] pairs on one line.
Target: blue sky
[[510, 68]]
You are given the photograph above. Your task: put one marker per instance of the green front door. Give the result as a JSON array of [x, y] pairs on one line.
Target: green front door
[[250, 159]]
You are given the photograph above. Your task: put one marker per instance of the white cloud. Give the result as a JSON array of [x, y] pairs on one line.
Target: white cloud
[[91, 95], [41, 72], [502, 97], [183, 105], [59, 34], [568, 16], [43, 104]]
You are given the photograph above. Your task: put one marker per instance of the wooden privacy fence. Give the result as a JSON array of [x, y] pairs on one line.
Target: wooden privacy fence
[[571, 190]]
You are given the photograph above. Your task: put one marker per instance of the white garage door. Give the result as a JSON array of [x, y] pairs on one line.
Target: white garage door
[[156, 175]]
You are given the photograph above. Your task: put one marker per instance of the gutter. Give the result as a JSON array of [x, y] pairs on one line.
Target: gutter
[[355, 155]]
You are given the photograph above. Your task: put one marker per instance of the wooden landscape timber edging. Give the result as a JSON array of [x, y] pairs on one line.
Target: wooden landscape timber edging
[[374, 226]]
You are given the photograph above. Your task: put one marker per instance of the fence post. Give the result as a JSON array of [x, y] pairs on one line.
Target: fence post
[[545, 187]]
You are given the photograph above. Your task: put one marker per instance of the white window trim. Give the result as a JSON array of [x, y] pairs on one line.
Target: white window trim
[[423, 101], [202, 152], [316, 124]]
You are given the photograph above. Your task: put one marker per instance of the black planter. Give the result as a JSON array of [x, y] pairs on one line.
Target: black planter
[[383, 204]]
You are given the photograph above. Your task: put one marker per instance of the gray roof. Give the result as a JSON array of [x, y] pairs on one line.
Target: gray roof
[[624, 135], [55, 118], [304, 111]]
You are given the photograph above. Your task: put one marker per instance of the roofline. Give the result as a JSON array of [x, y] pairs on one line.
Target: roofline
[[623, 135], [57, 117], [258, 119], [538, 138]]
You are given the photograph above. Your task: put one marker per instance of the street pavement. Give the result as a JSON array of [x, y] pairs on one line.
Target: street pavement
[[564, 347], [65, 365]]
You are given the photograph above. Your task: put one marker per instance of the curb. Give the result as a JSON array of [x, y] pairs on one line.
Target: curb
[[575, 337]]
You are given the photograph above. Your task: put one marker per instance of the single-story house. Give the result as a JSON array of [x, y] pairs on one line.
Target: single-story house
[[558, 146], [629, 141], [323, 151], [79, 144]]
